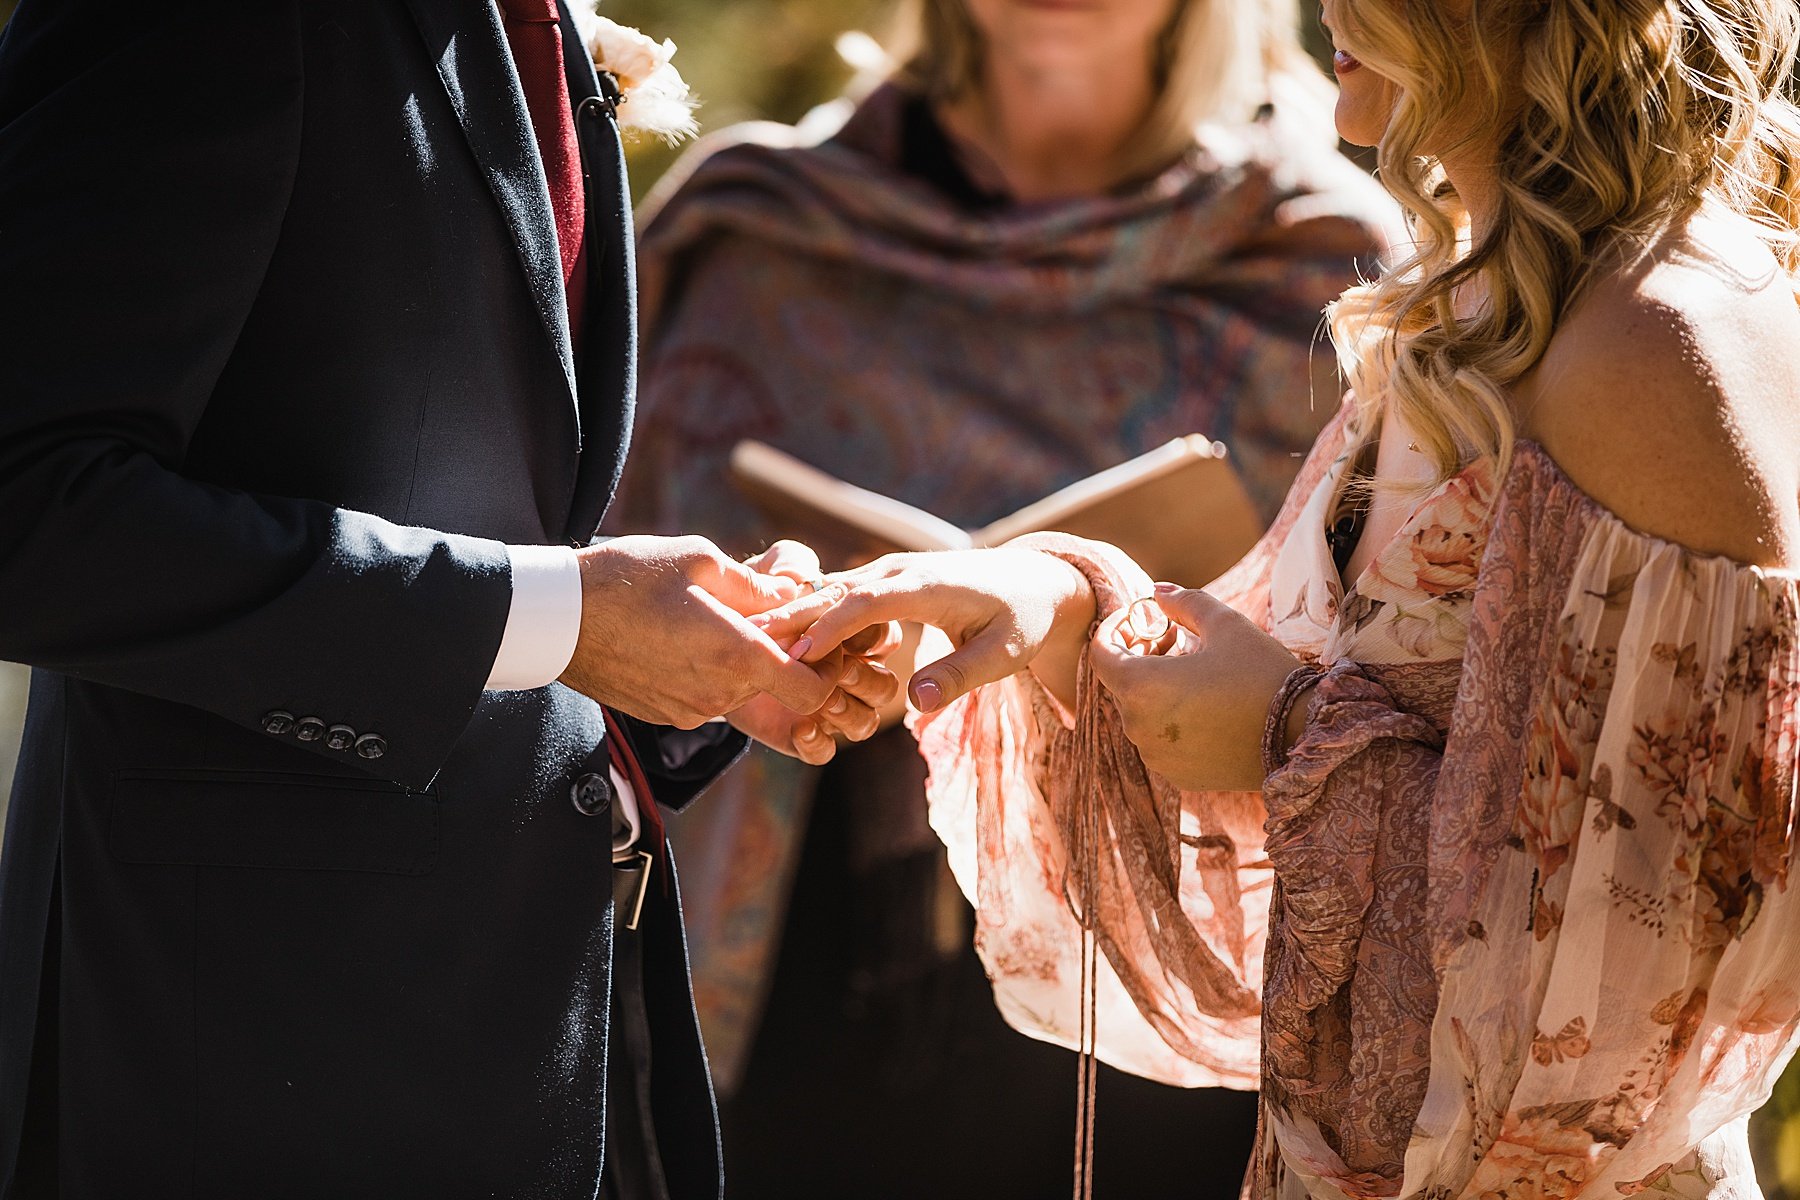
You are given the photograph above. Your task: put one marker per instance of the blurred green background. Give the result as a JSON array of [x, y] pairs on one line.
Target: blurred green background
[[776, 59]]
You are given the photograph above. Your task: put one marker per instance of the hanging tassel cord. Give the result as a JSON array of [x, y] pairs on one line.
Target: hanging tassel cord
[[1087, 1064]]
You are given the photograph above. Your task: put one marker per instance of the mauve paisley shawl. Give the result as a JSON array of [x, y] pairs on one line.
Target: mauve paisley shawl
[[1512, 920]]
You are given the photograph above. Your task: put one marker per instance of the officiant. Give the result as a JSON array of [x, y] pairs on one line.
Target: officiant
[[1047, 242]]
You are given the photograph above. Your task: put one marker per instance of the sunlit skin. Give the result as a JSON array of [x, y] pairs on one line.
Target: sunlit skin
[[1064, 85], [656, 600], [1068, 35], [1672, 371], [865, 685], [1365, 99]]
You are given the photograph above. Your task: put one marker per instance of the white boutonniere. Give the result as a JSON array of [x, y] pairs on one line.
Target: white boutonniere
[[654, 97]]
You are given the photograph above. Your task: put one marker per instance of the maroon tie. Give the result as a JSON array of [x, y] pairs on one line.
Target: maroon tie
[[534, 31]]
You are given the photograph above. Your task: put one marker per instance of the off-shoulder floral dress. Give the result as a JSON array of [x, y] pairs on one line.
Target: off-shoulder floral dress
[[1512, 919]]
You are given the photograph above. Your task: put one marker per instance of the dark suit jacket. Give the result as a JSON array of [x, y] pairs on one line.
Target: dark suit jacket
[[284, 363]]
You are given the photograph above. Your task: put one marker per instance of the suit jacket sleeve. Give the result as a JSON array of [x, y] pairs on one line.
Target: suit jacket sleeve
[[146, 159]]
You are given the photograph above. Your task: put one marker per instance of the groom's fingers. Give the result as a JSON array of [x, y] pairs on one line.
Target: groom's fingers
[[790, 559], [795, 684], [741, 589], [759, 665]]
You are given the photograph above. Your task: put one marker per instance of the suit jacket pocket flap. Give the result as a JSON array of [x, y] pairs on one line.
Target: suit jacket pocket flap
[[297, 822]]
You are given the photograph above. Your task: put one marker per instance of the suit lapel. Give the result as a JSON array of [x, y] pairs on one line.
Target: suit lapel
[[608, 374], [468, 46]]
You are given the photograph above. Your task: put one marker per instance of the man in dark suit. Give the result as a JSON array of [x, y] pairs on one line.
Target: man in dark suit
[[316, 369]]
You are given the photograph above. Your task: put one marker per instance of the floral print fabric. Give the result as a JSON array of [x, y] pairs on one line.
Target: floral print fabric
[[1517, 907]]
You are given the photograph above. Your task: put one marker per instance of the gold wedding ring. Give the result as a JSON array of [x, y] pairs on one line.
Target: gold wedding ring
[[1144, 627]]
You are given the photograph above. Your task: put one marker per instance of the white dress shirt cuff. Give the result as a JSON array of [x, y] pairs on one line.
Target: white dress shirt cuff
[[627, 821], [544, 622]]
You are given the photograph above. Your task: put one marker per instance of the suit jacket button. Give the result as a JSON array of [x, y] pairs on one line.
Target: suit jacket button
[[371, 745], [278, 722], [340, 737], [310, 729], [591, 794]]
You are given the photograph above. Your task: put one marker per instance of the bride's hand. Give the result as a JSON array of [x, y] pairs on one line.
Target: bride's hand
[[1197, 714], [1002, 609]]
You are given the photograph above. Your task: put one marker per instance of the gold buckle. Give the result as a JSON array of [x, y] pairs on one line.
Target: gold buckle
[[648, 860]]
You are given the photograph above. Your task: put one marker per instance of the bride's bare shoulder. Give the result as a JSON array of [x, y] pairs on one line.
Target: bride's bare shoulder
[[1671, 393]]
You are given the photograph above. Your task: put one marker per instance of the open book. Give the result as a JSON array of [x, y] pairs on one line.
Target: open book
[[1181, 511]]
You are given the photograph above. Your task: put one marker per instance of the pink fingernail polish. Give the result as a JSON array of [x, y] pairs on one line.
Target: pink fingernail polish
[[1163, 589], [799, 648], [927, 695]]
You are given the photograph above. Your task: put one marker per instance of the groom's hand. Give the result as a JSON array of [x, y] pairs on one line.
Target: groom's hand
[[663, 635]]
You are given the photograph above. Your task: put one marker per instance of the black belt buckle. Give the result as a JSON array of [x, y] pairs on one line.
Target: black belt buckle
[[640, 865]]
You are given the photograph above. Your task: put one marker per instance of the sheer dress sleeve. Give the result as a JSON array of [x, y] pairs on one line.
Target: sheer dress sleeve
[[1184, 874]]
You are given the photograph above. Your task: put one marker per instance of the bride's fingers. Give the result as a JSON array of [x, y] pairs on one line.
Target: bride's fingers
[[790, 620], [867, 607], [1128, 631], [848, 717], [1106, 633], [877, 641], [885, 567], [1142, 685], [988, 657], [869, 682], [813, 743], [850, 712], [1111, 662]]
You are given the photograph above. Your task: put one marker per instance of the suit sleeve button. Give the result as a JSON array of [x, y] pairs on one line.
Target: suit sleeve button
[[278, 722], [371, 745], [340, 737], [591, 794], [309, 729]]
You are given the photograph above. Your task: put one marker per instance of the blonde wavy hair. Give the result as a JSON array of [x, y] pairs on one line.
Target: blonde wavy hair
[[1217, 61], [1614, 120]]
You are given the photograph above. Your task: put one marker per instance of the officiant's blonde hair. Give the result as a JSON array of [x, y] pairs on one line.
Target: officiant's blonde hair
[[1218, 61]]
